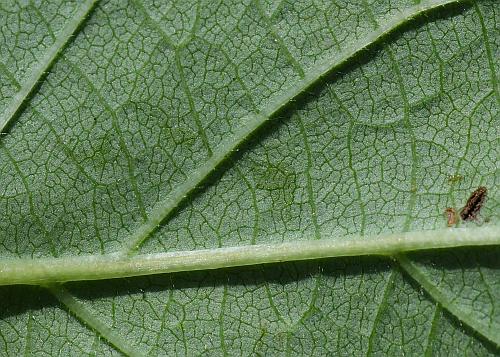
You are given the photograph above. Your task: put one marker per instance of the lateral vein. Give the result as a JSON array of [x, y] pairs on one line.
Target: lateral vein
[[44, 64], [255, 120], [86, 316]]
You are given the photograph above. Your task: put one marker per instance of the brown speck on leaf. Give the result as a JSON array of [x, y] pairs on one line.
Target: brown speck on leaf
[[451, 216], [474, 204]]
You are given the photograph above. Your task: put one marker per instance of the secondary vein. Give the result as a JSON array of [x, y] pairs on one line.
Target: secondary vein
[[254, 121], [447, 301], [92, 321], [44, 64]]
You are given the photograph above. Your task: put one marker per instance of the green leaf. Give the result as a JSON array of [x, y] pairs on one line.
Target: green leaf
[[305, 150]]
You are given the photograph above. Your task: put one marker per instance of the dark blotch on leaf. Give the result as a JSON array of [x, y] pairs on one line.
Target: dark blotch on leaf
[[474, 204]]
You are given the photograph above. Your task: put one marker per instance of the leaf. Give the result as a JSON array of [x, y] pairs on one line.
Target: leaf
[[215, 135]]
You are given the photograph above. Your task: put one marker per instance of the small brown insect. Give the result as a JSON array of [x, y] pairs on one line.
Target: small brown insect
[[451, 216], [476, 200]]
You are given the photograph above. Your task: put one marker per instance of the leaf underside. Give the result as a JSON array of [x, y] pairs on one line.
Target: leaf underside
[[144, 127]]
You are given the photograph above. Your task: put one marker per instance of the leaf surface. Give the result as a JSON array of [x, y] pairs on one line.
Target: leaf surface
[[132, 129]]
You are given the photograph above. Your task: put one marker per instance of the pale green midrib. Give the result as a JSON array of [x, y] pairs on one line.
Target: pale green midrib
[[96, 267], [91, 320], [254, 121], [45, 63], [446, 300]]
